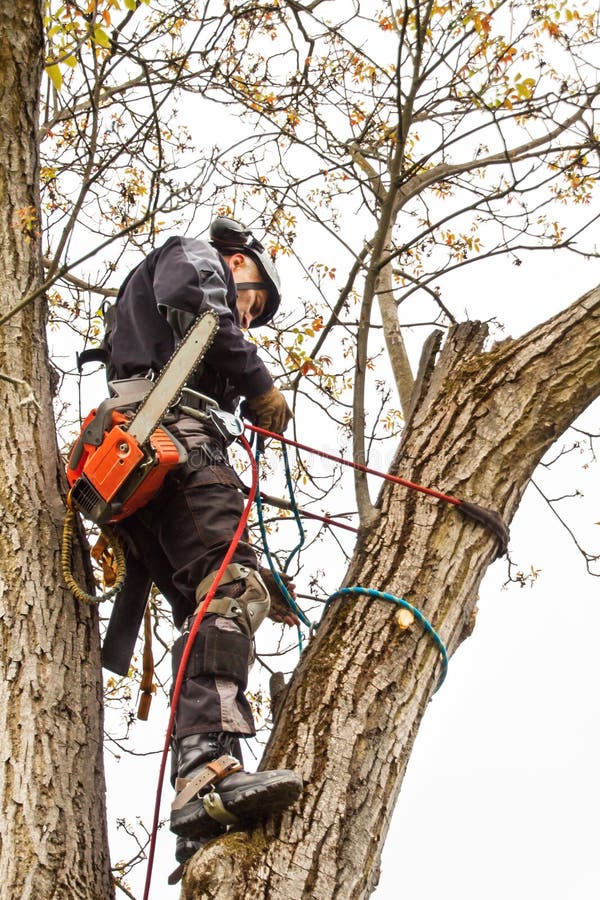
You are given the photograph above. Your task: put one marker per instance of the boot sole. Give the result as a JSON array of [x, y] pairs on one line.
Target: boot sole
[[250, 804]]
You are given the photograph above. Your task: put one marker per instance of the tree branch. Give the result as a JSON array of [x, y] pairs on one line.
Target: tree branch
[[393, 339]]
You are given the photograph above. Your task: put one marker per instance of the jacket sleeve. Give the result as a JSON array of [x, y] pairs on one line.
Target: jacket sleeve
[[188, 279]]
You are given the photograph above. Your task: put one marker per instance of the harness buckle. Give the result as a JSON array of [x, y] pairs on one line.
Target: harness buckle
[[230, 427], [205, 409]]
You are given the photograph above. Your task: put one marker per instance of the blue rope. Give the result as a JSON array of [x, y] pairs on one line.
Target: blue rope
[[353, 591], [296, 511], [284, 591], [399, 601]]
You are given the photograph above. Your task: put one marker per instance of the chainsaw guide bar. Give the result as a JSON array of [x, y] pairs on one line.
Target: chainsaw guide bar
[[173, 377]]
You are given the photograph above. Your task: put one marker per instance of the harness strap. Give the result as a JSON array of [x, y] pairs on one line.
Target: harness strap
[[94, 354], [211, 774], [491, 519], [252, 286], [147, 686]]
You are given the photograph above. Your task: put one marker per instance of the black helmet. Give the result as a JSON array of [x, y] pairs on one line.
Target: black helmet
[[229, 237]]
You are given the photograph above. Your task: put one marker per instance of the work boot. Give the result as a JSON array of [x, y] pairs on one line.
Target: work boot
[[224, 794], [188, 757]]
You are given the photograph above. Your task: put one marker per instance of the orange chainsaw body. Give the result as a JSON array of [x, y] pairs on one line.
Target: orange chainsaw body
[[112, 480]]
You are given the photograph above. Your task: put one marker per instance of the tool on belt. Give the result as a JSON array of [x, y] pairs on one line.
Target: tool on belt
[[120, 460]]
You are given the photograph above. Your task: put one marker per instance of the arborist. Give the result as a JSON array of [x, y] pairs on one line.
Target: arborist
[[179, 539]]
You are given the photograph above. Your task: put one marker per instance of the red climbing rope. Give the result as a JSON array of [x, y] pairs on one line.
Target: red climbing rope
[[186, 653], [489, 518], [353, 465]]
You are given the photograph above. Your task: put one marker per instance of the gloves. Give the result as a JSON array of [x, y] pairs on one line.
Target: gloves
[[280, 611], [270, 410]]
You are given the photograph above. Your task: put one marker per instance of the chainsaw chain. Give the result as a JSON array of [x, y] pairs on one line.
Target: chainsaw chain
[[164, 372]]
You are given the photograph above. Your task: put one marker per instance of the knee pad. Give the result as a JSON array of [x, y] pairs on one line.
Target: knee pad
[[220, 649], [249, 607]]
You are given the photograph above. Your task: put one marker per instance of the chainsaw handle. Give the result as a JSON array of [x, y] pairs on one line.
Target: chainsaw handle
[[76, 453]]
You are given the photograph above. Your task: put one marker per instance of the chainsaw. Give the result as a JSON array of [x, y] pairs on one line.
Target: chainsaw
[[121, 458]]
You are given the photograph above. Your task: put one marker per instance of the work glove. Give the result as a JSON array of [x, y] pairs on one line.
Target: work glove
[[270, 410], [280, 611]]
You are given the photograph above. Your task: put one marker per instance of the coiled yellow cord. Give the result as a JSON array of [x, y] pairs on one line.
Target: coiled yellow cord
[[66, 556]]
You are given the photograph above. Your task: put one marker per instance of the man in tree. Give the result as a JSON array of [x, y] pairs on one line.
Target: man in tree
[[179, 540], [477, 423]]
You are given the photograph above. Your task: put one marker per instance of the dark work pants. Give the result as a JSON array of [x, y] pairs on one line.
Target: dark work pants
[[182, 536]]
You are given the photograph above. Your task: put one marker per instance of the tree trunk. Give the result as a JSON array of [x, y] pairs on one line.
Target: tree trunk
[[353, 707], [53, 831]]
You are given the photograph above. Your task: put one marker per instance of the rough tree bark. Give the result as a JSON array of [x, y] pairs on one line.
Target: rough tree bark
[[53, 831], [481, 424]]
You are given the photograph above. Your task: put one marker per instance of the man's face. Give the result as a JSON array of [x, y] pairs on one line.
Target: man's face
[[250, 303]]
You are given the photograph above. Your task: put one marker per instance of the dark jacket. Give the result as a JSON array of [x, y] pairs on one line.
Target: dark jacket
[[158, 302]]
